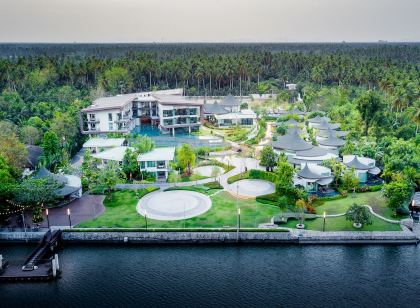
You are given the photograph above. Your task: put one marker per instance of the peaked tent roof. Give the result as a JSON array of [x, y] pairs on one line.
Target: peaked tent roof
[[214, 108], [336, 133], [296, 111], [318, 119], [315, 151], [34, 155], [357, 164], [331, 140], [230, 101], [291, 122], [291, 141], [311, 171], [325, 125]]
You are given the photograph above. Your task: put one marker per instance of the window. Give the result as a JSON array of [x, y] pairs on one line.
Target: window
[[168, 113], [110, 126], [142, 165], [109, 116], [151, 164], [92, 117]]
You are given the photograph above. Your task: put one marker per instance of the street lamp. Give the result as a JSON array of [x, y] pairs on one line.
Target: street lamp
[[323, 226], [69, 215], [145, 217], [48, 219], [238, 224], [24, 225]]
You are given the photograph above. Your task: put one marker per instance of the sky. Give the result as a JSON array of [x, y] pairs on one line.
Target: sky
[[109, 21]]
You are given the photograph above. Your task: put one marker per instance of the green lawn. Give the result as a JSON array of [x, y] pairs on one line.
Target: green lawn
[[374, 199], [340, 224], [121, 212]]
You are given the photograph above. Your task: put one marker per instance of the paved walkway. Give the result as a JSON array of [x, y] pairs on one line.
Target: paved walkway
[[85, 208]]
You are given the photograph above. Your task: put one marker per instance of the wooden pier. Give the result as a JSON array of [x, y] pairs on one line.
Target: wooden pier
[[41, 265]]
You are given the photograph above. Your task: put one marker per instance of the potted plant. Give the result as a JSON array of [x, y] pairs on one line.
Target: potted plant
[[359, 215]]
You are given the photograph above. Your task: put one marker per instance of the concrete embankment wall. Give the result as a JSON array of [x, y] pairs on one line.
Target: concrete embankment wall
[[179, 237], [228, 237]]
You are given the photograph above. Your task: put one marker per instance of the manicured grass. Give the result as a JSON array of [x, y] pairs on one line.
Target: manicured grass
[[340, 224], [340, 206], [121, 212]]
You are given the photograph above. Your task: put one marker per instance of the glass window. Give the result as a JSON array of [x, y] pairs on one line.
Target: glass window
[[151, 164], [109, 116], [111, 127], [142, 165]]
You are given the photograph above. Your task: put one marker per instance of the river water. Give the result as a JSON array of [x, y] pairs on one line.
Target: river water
[[224, 276]]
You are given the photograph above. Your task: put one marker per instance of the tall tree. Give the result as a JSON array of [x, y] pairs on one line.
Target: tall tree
[[370, 107], [186, 157]]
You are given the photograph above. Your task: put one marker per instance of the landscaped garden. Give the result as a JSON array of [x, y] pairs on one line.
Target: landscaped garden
[[121, 212]]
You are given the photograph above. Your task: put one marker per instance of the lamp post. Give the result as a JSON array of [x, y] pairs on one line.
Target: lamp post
[[145, 217], [238, 225], [69, 215], [323, 226], [48, 218]]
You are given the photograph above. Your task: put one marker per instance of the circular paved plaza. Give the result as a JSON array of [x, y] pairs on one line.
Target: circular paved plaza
[[173, 205], [207, 170], [253, 188]]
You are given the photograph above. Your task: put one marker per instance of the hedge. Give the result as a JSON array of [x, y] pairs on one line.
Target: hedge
[[263, 175], [173, 230], [261, 133], [237, 177]]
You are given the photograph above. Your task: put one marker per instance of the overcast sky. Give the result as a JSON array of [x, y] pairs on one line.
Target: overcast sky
[[209, 20]]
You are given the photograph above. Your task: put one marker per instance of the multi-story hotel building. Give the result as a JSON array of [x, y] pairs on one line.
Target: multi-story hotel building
[[166, 109]]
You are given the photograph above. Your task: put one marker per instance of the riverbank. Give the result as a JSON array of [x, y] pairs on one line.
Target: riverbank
[[220, 236]]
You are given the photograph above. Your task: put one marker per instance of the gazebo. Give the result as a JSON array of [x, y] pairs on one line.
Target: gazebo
[[231, 103]]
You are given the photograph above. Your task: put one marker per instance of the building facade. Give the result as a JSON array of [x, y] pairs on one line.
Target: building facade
[[166, 109]]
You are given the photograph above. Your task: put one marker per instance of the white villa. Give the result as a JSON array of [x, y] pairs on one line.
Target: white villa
[[157, 161], [115, 154], [331, 141], [363, 166], [166, 109], [228, 113], [313, 177], [315, 155], [100, 144]]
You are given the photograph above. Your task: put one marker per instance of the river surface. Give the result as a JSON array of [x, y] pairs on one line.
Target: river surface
[[223, 276]]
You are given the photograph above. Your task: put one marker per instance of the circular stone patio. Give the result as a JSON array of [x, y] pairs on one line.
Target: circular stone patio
[[253, 188], [207, 170], [173, 205]]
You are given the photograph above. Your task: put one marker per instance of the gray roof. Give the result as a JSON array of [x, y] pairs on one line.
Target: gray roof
[[332, 141], [230, 101], [357, 164], [291, 141], [309, 174], [335, 133], [166, 99], [325, 125], [318, 119], [34, 155], [296, 111], [111, 102], [44, 173], [315, 151], [291, 122], [214, 108]]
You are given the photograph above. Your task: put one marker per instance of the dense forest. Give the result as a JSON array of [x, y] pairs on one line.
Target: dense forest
[[373, 89]]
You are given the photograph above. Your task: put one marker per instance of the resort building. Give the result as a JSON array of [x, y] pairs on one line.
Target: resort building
[[315, 155], [99, 144], [166, 109], [157, 162], [364, 167], [69, 186], [317, 120], [228, 113], [291, 142], [113, 154], [331, 142], [324, 125], [314, 178]]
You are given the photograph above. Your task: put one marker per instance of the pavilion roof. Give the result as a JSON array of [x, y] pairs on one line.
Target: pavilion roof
[[291, 141]]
